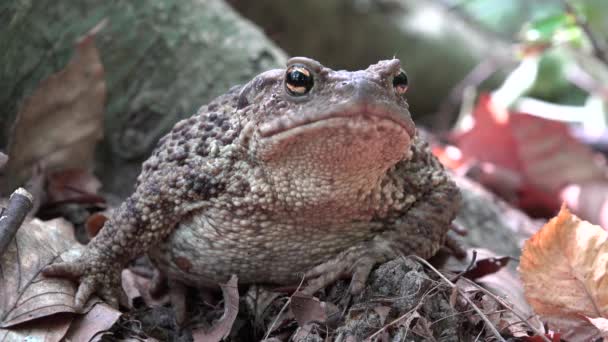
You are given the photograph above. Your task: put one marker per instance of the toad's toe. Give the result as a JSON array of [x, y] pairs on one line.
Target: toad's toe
[[356, 263]]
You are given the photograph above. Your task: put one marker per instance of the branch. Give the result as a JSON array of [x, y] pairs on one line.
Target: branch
[[479, 312], [3, 160], [489, 324], [19, 204], [598, 49], [474, 78], [508, 307], [581, 78]]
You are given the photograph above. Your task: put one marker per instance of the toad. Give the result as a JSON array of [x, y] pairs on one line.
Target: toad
[[302, 172]]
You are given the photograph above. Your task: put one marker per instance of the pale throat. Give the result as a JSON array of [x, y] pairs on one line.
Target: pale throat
[[323, 191], [334, 170]]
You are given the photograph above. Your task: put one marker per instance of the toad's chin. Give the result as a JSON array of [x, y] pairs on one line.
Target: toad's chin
[[338, 145]]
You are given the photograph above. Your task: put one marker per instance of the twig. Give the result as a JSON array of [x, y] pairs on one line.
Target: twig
[[518, 82], [476, 76], [501, 302], [36, 186], [460, 313], [467, 299], [580, 78], [552, 111], [3, 160], [400, 318], [19, 204], [598, 49], [276, 319], [458, 229], [469, 267]]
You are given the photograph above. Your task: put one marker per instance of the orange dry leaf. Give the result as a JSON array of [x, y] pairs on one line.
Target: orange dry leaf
[[601, 324], [564, 273]]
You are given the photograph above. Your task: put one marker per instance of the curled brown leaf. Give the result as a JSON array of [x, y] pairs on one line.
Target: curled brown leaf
[[564, 272]]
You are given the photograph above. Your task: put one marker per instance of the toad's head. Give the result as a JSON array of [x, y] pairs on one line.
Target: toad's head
[[321, 124]]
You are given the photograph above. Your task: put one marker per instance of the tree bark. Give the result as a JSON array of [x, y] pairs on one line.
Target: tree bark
[[163, 59]]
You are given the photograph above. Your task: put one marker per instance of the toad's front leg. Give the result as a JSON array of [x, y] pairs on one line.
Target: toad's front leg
[[142, 221], [137, 225], [421, 230]]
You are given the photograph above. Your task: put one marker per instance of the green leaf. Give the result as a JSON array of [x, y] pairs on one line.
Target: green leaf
[[558, 28]]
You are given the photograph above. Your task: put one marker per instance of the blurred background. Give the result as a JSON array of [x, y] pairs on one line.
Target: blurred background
[[511, 95], [513, 92]]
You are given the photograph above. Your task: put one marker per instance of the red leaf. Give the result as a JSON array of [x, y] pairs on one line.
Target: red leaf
[[94, 224], [490, 139], [486, 266], [73, 185], [553, 337], [539, 156]]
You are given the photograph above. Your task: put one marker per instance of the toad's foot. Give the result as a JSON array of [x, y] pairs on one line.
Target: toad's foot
[[356, 262], [95, 277]]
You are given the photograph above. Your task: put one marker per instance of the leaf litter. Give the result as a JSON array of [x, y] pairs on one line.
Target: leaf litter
[[525, 170]]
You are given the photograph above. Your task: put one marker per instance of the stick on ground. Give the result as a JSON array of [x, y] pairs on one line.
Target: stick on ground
[[489, 324], [486, 320], [19, 204], [3, 160]]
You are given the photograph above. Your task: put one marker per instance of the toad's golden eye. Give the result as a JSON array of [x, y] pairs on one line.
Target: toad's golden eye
[[400, 82], [298, 80]]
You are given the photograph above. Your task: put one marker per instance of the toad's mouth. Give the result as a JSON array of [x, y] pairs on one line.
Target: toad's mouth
[[288, 122]]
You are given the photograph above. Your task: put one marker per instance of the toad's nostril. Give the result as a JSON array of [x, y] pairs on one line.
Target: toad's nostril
[[365, 90], [345, 87]]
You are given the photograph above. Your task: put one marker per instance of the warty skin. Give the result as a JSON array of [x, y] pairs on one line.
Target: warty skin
[[302, 171]]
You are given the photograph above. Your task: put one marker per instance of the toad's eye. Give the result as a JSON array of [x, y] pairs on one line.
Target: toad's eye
[[298, 80], [400, 82]]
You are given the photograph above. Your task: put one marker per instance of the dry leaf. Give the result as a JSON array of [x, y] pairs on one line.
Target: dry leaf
[[422, 328], [50, 329], [223, 326], [24, 293], [258, 299], [601, 324], [515, 326], [588, 200], [99, 319], [306, 308], [491, 308], [73, 185], [137, 289], [563, 269], [94, 224], [128, 279], [61, 122], [382, 312], [505, 283], [308, 332], [486, 267], [552, 336]]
